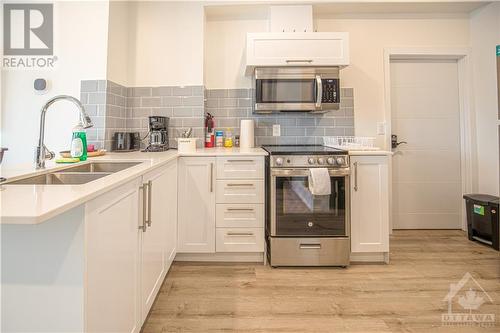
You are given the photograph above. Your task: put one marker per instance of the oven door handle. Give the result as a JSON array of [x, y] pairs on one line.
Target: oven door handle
[[319, 91], [278, 172], [310, 246]]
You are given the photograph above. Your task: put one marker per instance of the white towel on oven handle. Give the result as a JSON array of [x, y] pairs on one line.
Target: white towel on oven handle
[[319, 181]]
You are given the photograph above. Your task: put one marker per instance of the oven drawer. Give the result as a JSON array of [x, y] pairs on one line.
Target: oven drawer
[[309, 251], [242, 167], [239, 191], [239, 240], [240, 215]]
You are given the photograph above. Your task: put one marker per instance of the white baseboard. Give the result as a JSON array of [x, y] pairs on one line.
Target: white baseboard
[[375, 257], [221, 257]]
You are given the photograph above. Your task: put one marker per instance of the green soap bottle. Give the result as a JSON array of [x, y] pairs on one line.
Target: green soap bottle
[[79, 143]]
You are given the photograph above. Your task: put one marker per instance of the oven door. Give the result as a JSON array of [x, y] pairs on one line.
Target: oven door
[[295, 212]]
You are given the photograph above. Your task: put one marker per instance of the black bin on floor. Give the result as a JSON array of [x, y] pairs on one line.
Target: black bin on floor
[[482, 219]]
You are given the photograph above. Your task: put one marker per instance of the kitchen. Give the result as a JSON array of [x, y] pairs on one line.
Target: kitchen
[[90, 257]]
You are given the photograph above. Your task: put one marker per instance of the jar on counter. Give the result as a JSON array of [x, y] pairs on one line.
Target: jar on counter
[[228, 142], [236, 140], [219, 138]]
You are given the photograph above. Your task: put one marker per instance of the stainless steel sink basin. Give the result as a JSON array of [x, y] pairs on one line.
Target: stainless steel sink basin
[[78, 174], [60, 178], [109, 167]]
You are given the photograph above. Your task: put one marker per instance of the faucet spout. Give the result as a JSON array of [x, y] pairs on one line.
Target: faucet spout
[[41, 152]]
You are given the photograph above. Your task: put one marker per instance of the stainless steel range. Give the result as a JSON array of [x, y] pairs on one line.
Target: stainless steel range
[[304, 229]]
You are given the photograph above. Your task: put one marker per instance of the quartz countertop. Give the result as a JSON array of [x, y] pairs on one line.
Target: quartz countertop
[[33, 204]]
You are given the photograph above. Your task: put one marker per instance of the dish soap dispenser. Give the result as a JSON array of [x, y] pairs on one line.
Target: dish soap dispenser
[[79, 143]]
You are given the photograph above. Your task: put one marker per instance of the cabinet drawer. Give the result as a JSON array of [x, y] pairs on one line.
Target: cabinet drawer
[[239, 191], [241, 167], [240, 215], [239, 240]]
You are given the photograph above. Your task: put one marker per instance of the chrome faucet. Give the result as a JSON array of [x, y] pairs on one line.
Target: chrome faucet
[[42, 153]]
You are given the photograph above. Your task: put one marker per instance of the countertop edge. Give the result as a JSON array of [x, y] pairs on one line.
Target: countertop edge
[[85, 197]]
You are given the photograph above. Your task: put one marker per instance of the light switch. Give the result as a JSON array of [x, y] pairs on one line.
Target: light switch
[[381, 128], [277, 130]]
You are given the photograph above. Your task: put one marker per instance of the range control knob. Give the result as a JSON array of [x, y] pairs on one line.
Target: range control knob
[[279, 161], [330, 160], [321, 160], [340, 161], [310, 160]]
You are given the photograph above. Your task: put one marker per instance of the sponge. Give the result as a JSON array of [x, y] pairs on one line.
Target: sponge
[[67, 160]]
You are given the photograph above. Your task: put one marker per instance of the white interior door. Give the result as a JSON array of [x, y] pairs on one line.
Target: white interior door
[[426, 171]]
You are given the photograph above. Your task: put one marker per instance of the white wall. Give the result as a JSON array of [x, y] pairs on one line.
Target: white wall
[[368, 38], [80, 43], [119, 43], [225, 44], [166, 43], [484, 36]]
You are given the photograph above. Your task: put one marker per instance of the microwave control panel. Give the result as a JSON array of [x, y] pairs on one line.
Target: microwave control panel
[[331, 91]]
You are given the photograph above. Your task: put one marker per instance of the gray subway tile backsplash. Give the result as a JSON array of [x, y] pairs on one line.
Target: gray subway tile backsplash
[[119, 108], [229, 106]]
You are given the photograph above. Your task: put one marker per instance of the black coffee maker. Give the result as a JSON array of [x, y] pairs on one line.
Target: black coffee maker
[[158, 134]]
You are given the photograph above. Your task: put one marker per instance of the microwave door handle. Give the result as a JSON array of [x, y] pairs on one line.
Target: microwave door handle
[[319, 91]]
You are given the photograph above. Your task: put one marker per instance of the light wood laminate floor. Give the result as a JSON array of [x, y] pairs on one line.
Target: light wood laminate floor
[[405, 296]]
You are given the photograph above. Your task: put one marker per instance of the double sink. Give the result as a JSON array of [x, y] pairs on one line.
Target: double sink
[[76, 175]]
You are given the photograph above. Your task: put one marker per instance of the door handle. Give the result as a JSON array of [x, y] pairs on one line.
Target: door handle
[[310, 246], [144, 203], [319, 91], [240, 161], [150, 196], [355, 176], [211, 177], [395, 143], [288, 61], [239, 185], [240, 209], [240, 234]]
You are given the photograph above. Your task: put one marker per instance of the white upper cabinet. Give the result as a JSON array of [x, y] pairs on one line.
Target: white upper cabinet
[[297, 49], [369, 204]]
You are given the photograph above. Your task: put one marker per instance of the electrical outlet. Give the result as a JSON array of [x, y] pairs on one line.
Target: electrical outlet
[[277, 130], [381, 128]]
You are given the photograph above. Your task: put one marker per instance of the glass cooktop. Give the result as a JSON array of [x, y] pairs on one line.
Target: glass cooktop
[[302, 150]]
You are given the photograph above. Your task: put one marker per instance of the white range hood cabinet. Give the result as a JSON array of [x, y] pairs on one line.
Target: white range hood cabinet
[[278, 49]]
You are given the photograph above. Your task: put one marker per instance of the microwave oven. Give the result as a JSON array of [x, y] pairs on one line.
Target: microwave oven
[[291, 89]]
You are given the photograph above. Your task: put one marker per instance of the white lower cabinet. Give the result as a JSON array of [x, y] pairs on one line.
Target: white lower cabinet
[[239, 215], [158, 218], [221, 205], [369, 204], [240, 239], [196, 221], [130, 243], [112, 261]]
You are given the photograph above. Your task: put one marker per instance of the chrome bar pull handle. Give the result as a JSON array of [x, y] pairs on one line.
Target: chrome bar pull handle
[[240, 209], [290, 61], [356, 176], [319, 91], [211, 177], [150, 196], [240, 234], [144, 203], [310, 246]]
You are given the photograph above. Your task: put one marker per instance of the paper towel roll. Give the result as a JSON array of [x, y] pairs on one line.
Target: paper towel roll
[[247, 139]]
